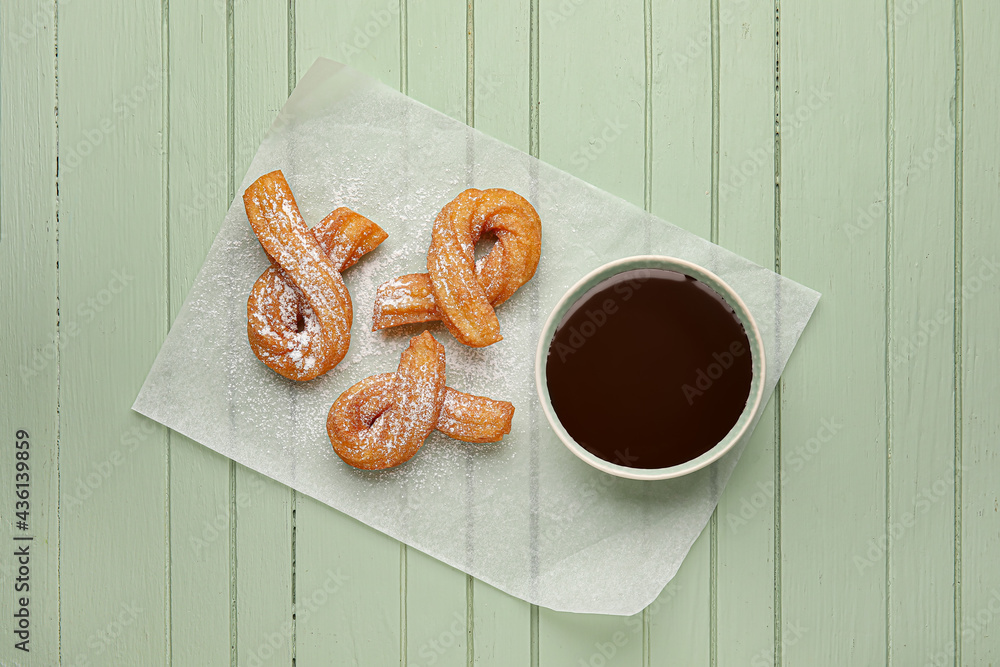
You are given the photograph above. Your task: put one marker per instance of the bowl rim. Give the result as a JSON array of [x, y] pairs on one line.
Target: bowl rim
[[698, 272]]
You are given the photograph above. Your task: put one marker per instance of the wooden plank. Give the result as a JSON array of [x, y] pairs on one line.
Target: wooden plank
[[979, 314], [501, 627], [592, 124], [438, 606], [591, 105], [501, 96], [263, 564], [502, 65], [746, 569], [840, 216], [347, 590], [681, 119], [590, 640], [437, 619], [364, 35], [31, 330], [436, 55], [745, 539], [833, 431], [678, 621], [197, 195], [112, 273], [920, 526], [680, 190], [362, 623]]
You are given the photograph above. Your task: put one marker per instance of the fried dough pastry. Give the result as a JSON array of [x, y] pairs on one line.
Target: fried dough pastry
[[299, 313], [456, 289], [383, 420]]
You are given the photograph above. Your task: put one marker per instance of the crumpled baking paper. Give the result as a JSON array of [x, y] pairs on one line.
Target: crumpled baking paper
[[524, 515]]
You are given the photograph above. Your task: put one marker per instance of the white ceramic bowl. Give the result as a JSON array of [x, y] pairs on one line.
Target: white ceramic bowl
[[740, 430]]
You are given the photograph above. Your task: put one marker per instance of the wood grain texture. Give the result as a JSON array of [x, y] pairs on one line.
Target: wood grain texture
[[833, 412], [436, 54], [745, 191], [853, 146], [365, 35], [197, 196], [598, 136], [680, 187], [921, 421], [502, 71], [112, 264], [978, 622], [31, 327], [678, 622], [347, 590]]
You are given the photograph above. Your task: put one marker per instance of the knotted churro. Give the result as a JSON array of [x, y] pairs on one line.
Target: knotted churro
[[299, 312], [383, 420], [456, 289]]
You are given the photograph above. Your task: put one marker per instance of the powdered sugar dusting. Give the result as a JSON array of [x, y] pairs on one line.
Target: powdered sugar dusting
[[345, 140], [299, 310]]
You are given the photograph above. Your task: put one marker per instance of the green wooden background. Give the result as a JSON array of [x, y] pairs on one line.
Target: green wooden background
[[853, 145]]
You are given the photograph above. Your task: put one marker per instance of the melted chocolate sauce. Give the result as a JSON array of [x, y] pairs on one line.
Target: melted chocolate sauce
[[649, 369]]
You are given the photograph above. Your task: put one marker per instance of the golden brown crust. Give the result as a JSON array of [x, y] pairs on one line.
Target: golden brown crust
[[472, 418], [405, 300], [347, 236], [299, 312], [456, 289], [382, 421]]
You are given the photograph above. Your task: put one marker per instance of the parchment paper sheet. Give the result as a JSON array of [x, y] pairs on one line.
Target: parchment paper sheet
[[524, 515]]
